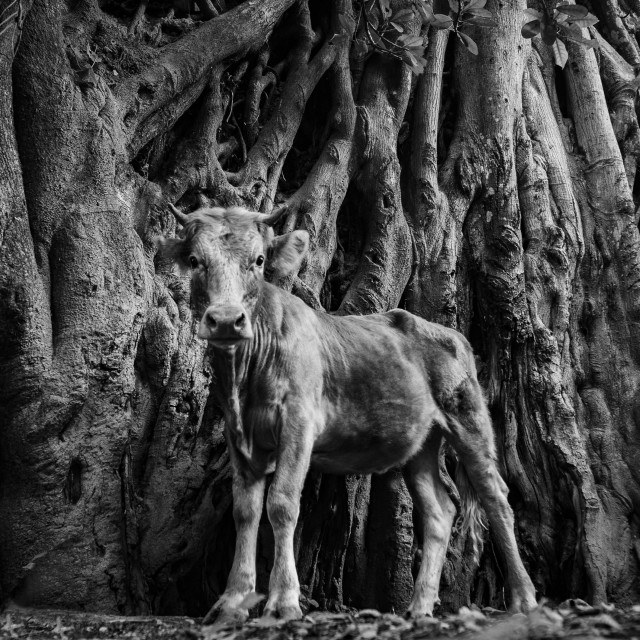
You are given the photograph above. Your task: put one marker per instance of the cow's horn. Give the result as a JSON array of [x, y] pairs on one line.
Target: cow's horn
[[182, 218], [274, 216]]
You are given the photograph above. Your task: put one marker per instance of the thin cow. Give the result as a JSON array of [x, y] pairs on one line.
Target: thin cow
[[346, 394]]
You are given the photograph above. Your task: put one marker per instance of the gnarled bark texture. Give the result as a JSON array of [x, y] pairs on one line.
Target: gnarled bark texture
[[493, 193]]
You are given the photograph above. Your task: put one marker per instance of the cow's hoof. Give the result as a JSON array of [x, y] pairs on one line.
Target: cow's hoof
[[523, 606], [417, 615], [523, 600], [282, 612], [419, 612], [225, 615]]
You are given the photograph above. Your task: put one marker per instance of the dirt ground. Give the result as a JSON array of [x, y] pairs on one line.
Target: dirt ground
[[572, 619]]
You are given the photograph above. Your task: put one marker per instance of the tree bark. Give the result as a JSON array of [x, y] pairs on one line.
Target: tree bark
[[495, 194]]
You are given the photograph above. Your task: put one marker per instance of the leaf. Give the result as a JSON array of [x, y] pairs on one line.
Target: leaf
[[397, 27], [481, 21], [469, 44], [410, 41], [475, 4], [417, 52], [409, 58], [403, 13], [560, 53], [588, 21], [441, 21], [574, 33], [454, 5], [573, 10], [415, 63], [532, 14], [420, 67], [377, 40], [549, 34], [531, 29], [385, 9], [426, 13]]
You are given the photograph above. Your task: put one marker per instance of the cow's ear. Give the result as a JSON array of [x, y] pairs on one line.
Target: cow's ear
[[288, 252]]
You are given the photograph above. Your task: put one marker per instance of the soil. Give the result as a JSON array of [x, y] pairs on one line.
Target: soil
[[572, 619]]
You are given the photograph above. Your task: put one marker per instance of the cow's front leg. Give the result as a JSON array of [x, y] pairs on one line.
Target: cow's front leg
[[248, 492], [283, 507]]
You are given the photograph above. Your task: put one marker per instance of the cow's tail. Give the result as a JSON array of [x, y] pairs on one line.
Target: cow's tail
[[471, 521]]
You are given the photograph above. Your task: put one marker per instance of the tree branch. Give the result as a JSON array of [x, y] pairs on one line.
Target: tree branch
[[195, 163], [609, 193], [617, 75], [183, 67], [431, 290], [207, 9], [278, 134], [25, 323], [258, 82], [385, 264], [317, 202], [609, 11]]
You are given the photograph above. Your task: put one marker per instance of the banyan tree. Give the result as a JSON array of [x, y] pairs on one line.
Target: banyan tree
[[443, 159]]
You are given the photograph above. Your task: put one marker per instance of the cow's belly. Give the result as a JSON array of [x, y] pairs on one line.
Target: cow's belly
[[374, 440]]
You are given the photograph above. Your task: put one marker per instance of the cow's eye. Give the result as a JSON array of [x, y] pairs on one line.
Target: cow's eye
[[194, 261], [260, 261]]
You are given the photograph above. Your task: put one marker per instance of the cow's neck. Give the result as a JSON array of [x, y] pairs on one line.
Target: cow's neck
[[225, 367], [232, 366]]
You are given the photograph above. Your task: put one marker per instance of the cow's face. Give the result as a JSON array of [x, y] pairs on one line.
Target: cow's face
[[226, 251]]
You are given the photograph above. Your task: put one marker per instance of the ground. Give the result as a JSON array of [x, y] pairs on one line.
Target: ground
[[572, 619]]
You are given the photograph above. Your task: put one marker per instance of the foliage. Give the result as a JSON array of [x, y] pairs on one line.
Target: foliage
[[389, 32], [563, 21]]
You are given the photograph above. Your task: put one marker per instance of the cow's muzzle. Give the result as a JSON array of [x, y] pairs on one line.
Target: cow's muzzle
[[225, 325]]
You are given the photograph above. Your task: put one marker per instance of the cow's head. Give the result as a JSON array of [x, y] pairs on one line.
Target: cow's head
[[226, 251]]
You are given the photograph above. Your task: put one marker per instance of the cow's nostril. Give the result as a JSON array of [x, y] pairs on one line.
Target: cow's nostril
[[240, 320], [212, 321]]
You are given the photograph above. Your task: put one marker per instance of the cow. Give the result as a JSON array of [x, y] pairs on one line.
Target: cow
[[302, 388]]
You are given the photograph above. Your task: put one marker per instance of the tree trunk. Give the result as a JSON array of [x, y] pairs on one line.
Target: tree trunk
[[491, 193]]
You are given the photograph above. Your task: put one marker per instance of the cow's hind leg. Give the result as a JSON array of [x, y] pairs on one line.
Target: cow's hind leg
[[248, 492], [472, 436], [435, 512]]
